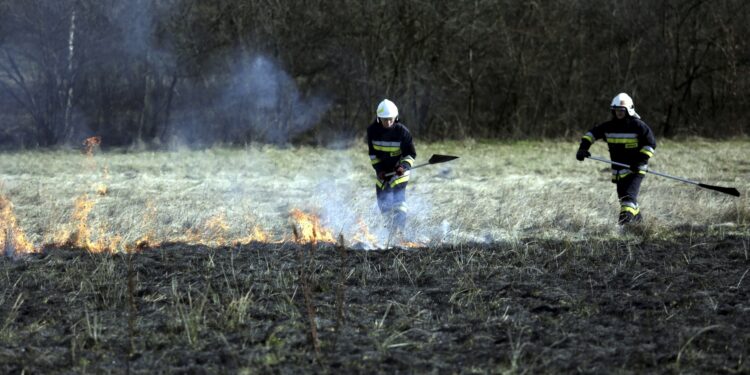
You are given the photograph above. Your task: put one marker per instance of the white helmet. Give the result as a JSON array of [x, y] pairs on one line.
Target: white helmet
[[623, 100], [386, 109]]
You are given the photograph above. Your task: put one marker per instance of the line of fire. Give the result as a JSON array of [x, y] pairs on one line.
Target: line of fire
[[305, 228]]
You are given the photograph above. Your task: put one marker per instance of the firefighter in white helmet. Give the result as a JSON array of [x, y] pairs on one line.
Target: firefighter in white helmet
[[631, 142], [392, 154]]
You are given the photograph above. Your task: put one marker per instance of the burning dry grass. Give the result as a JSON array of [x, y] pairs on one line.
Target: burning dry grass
[[119, 200], [12, 237], [523, 270]]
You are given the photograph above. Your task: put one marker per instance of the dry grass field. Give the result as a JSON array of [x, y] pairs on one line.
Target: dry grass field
[[188, 261]]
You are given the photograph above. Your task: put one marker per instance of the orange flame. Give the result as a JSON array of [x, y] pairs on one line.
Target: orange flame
[[260, 235], [81, 218], [192, 236], [140, 244], [408, 244], [257, 235], [81, 237], [12, 238], [217, 228], [90, 144], [212, 232], [363, 235], [309, 229]]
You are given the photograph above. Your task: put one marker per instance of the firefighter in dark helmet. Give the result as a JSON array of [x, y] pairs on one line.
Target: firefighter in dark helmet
[[392, 155], [630, 142]]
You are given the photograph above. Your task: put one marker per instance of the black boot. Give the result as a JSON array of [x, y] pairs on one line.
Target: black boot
[[625, 218]]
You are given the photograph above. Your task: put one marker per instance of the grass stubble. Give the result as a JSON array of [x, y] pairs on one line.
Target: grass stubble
[[520, 268]]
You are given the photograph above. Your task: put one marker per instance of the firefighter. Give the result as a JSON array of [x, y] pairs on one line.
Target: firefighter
[[391, 150], [631, 142]]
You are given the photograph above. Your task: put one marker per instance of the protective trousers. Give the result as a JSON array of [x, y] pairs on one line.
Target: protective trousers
[[392, 203], [627, 191]]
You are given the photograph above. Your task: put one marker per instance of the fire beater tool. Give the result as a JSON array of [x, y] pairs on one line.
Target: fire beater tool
[[721, 189], [434, 159]]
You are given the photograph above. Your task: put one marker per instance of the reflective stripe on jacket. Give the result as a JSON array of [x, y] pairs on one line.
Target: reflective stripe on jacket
[[389, 148], [630, 140]]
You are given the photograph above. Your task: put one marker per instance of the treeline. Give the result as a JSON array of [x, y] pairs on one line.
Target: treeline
[[201, 72]]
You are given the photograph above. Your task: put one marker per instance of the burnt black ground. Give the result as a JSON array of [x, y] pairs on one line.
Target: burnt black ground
[[678, 305]]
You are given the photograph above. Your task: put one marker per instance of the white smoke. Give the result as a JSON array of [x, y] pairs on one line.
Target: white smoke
[[263, 101]]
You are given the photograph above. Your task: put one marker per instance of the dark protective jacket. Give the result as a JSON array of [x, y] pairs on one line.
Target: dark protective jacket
[[389, 148], [630, 142]]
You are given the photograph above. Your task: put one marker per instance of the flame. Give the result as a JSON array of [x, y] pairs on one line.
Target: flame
[[80, 233], [83, 207], [12, 237], [217, 228], [90, 144], [408, 244], [81, 237], [212, 232], [308, 228], [192, 236], [142, 243], [363, 235], [257, 235], [260, 235]]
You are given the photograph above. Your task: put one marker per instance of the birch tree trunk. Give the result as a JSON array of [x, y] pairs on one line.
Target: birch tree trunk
[[67, 126]]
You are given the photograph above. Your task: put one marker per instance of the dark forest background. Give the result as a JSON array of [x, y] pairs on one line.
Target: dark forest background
[[202, 72]]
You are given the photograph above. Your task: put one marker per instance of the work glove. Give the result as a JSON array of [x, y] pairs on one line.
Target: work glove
[[382, 176], [582, 154], [401, 169]]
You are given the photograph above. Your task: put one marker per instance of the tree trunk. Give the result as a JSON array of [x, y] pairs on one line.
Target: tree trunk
[[67, 126]]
